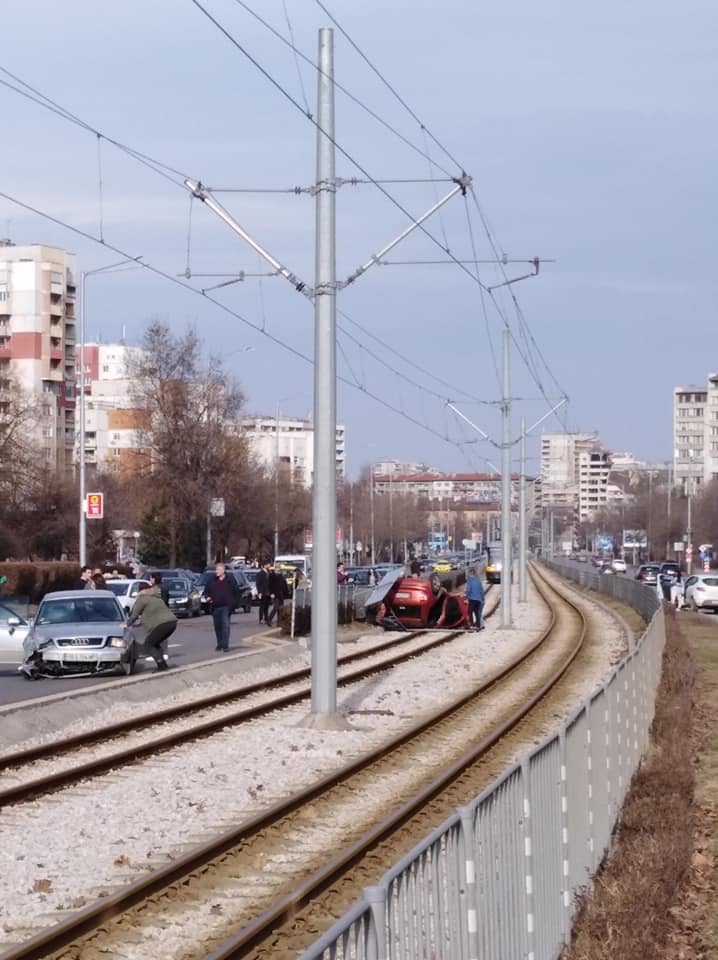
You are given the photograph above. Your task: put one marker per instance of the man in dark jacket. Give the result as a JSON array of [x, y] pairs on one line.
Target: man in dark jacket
[[263, 591], [222, 593], [278, 593]]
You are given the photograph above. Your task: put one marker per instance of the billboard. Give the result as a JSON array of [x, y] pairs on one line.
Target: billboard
[[635, 540]]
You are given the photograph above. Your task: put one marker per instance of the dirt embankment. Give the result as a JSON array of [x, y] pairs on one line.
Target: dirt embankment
[[654, 899]]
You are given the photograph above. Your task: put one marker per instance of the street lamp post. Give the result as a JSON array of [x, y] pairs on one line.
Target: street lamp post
[[83, 465]]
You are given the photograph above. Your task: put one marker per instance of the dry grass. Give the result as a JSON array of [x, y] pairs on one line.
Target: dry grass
[[630, 914]]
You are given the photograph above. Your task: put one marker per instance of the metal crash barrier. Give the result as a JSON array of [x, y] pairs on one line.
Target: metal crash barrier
[[499, 878]]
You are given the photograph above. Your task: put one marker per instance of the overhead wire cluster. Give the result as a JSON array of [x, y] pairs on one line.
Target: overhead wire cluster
[[357, 378]]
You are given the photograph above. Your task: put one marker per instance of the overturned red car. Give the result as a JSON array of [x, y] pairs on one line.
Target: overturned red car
[[410, 603]]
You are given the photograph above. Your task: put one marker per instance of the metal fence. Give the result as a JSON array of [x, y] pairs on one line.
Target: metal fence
[[498, 880]]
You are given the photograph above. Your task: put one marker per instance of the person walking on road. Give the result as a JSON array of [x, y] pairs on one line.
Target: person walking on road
[[475, 597], [222, 594], [342, 575], [278, 593], [158, 621], [262, 584]]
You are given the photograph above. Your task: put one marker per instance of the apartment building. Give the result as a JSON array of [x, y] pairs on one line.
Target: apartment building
[[114, 427], [289, 443], [695, 434], [575, 470], [469, 488], [37, 342]]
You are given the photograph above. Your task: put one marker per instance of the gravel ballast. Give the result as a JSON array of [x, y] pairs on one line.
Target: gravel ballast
[[60, 851]]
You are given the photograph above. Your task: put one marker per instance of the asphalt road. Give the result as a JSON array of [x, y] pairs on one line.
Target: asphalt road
[[193, 640]]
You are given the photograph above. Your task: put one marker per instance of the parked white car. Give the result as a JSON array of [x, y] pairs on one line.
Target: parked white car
[[13, 630], [126, 591], [619, 566], [701, 591]]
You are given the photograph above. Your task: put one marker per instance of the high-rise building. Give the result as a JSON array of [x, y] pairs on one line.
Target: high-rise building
[[37, 342], [575, 468], [689, 428], [114, 427], [695, 434], [288, 442]]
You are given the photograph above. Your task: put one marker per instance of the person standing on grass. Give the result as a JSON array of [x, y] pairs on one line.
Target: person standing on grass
[[475, 597], [158, 621], [222, 594]]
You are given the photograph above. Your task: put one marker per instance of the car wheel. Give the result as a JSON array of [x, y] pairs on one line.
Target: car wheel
[[247, 608]]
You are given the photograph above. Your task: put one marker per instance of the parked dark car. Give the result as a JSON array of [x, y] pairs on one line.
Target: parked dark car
[[648, 573], [362, 576], [244, 590], [184, 597], [671, 568]]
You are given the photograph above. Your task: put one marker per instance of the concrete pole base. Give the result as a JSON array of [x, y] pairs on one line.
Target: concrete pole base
[[325, 721]]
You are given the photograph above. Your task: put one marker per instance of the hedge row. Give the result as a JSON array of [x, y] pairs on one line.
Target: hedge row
[[34, 580]]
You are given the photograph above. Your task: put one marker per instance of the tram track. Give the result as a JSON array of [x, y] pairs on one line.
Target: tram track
[[224, 709], [246, 858]]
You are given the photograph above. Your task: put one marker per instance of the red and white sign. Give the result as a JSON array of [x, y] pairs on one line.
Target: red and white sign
[[706, 565], [95, 508]]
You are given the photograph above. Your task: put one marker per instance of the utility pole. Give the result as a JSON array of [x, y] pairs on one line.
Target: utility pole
[[276, 482], [505, 608], [668, 512], [324, 498], [209, 536], [522, 514], [351, 525], [371, 513], [689, 530]]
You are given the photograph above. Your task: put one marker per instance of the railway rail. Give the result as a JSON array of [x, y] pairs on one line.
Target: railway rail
[[244, 892], [224, 708]]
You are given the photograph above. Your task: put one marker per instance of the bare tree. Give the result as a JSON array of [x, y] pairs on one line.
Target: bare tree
[[190, 443]]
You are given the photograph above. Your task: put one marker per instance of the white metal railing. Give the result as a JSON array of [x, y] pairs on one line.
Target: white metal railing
[[499, 878]]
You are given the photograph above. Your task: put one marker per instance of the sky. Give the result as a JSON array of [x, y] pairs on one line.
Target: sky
[[590, 135]]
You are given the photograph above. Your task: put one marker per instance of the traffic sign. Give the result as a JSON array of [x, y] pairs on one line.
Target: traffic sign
[[95, 506]]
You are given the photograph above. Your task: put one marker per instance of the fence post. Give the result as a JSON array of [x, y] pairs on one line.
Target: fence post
[[294, 611], [528, 860], [375, 934], [565, 862], [467, 839], [591, 839]]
